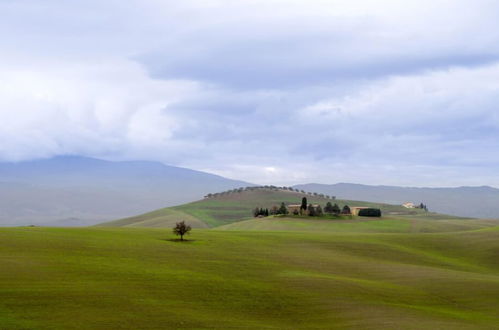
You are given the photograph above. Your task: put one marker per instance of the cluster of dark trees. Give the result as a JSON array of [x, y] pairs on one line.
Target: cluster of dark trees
[[370, 212], [272, 188], [305, 209], [260, 212], [422, 206], [318, 211]]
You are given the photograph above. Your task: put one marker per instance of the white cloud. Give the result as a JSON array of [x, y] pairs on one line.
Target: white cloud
[[89, 109], [266, 91]]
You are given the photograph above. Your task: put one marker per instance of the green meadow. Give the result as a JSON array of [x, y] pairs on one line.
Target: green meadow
[[280, 273]]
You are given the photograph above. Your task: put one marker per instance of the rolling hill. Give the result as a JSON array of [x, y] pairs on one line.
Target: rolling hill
[[407, 270], [236, 206], [76, 191]]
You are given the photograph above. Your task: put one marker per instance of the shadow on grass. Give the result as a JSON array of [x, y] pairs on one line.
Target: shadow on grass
[[177, 240]]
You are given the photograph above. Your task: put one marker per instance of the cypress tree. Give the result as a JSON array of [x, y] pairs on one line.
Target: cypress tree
[[336, 209], [304, 203]]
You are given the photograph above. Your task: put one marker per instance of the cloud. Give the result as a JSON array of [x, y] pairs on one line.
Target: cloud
[[276, 92], [84, 108], [290, 46]]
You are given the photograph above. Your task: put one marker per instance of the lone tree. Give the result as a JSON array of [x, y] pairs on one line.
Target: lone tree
[[181, 229]]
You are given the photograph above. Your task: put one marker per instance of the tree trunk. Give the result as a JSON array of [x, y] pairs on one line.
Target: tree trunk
[[181, 237]]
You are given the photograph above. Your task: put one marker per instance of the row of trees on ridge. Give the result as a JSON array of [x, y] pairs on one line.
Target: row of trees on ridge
[[271, 188]]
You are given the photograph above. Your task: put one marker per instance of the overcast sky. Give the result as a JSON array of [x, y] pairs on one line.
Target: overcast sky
[[271, 91]]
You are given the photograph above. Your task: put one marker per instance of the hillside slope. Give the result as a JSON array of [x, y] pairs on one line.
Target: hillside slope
[[387, 224], [236, 206]]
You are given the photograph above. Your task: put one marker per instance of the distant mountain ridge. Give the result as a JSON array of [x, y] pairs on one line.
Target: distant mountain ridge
[[76, 191], [73, 190], [476, 202]]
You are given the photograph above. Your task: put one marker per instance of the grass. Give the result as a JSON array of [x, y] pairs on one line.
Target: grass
[[388, 224], [237, 206], [158, 219], [386, 274]]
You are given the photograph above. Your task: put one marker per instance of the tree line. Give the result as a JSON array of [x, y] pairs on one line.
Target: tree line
[[268, 187], [273, 211], [305, 209]]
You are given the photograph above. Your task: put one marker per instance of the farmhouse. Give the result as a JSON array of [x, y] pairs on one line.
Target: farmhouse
[[292, 208], [409, 205]]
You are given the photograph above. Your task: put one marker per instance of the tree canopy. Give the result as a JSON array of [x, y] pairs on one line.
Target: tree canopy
[[181, 229]]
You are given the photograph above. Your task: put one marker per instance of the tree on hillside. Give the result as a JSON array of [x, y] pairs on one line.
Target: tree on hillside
[[336, 209], [346, 210], [283, 209], [328, 208], [318, 211], [303, 204], [423, 206], [311, 210], [256, 212], [181, 229], [274, 210]]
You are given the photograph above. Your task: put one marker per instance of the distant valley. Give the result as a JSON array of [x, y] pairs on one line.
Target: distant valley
[[80, 191], [474, 202], [76, 191]]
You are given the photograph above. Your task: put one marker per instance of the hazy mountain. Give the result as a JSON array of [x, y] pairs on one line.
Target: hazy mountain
[[74, 190], [479, 202]]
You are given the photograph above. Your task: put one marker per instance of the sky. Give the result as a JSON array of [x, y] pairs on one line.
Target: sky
[[271, 92]]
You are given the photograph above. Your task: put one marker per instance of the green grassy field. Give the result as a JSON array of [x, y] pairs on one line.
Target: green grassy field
[[387, 274], [389, 224], [239, 206]]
